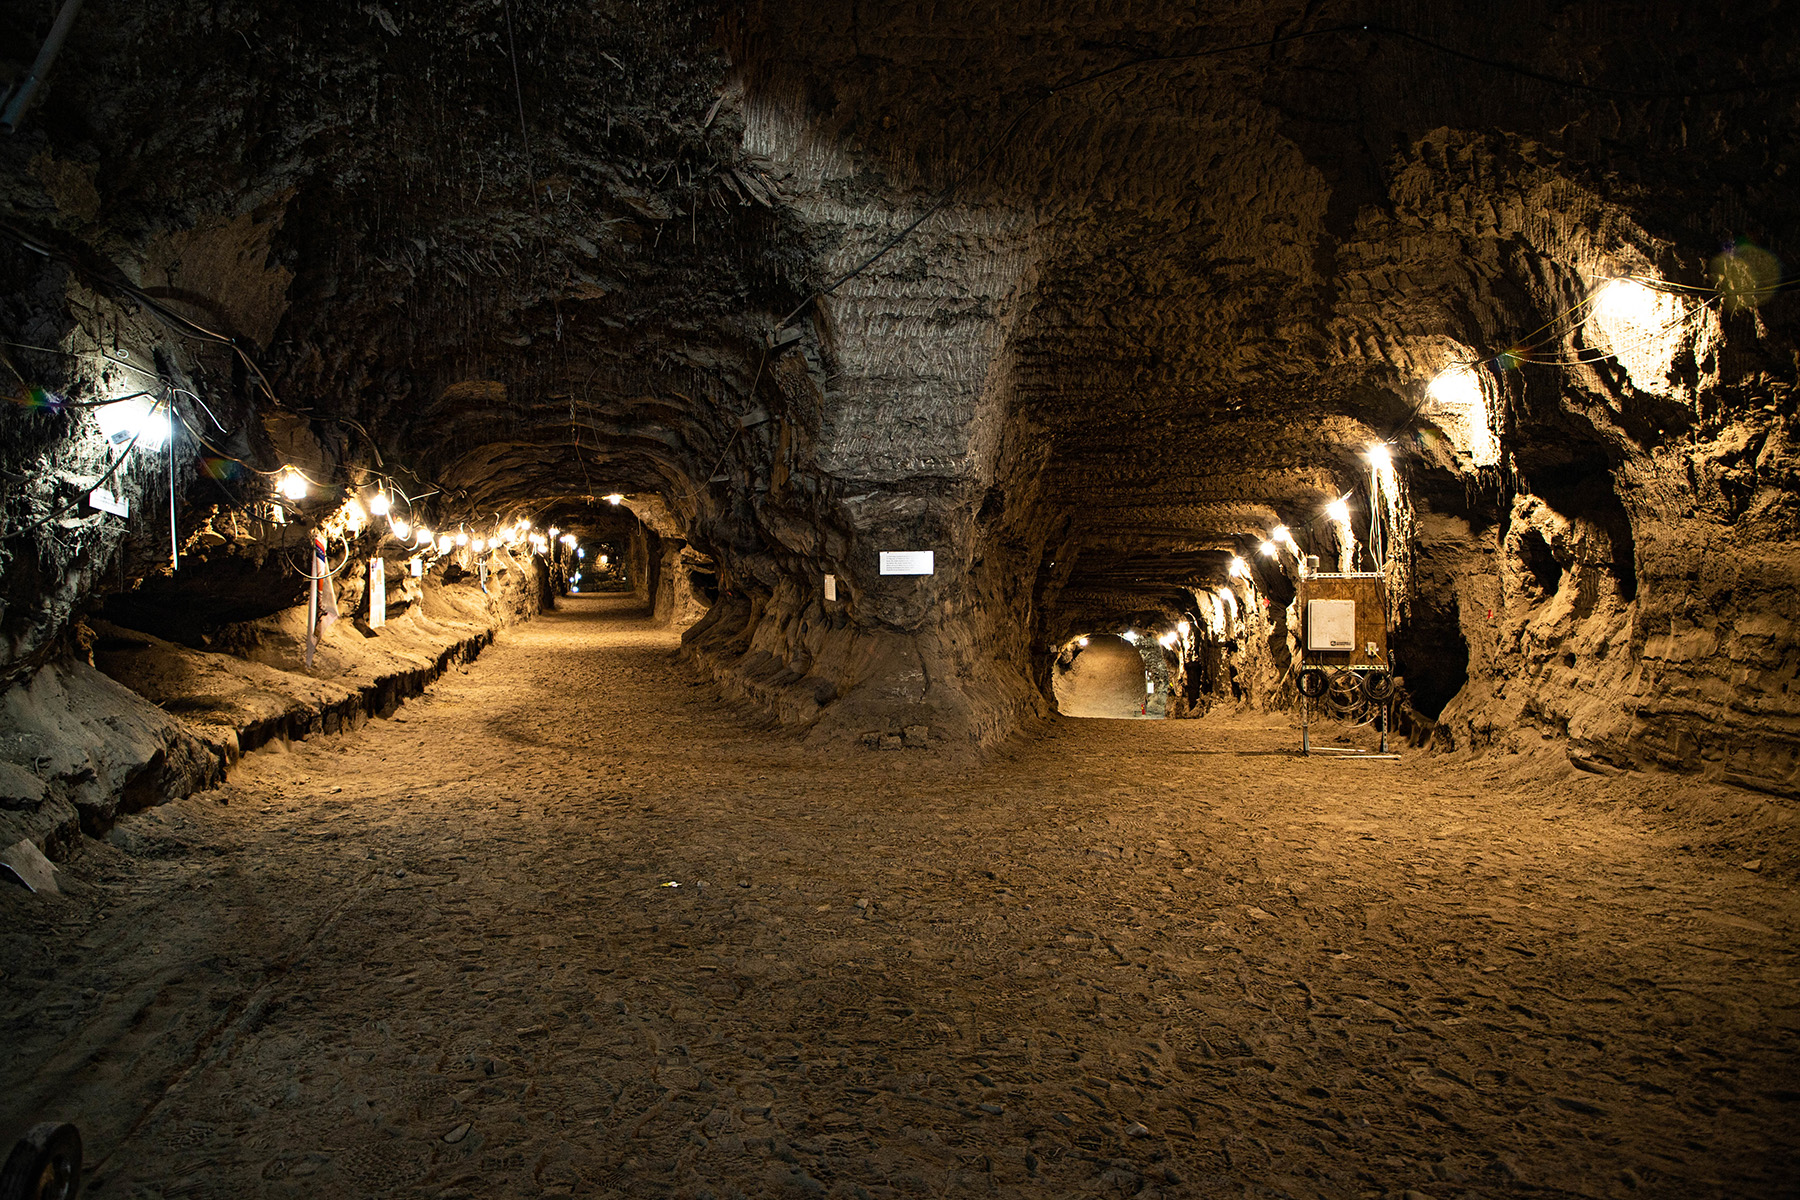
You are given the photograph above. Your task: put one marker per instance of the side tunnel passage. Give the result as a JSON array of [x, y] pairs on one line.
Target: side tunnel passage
[[1105, 678]]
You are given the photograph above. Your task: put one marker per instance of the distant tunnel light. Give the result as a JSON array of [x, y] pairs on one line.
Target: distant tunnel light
[[1130, 635], [1082, 642], [615, 498]]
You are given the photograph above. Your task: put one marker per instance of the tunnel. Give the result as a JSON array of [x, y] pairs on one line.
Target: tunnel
[[557, 558]]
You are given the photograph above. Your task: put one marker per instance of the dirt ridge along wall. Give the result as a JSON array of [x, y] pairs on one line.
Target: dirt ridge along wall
[[144, 721]]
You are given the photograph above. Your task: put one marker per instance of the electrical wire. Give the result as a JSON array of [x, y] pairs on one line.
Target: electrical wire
[[69, 508]]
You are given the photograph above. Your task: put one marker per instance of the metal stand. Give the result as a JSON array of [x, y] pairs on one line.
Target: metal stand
[[1381, 723], [1305, 732]]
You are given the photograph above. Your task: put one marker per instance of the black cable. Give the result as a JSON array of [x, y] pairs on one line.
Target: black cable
[[69, 508]]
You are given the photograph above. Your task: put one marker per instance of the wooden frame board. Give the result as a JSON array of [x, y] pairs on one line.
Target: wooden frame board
[[1369, 593]]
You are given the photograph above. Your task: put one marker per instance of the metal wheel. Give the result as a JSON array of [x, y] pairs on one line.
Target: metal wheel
[[44, 1165]]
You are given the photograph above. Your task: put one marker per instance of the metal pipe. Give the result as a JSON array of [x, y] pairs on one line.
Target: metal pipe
[[28, 86]]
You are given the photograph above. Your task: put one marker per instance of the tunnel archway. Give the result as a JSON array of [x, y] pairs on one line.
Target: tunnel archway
[[1106, 678]]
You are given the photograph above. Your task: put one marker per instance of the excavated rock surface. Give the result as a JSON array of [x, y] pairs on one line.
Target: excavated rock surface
[[619, 942], [1084, 300]]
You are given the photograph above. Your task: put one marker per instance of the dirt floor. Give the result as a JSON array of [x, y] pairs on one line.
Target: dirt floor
[[568, 927]]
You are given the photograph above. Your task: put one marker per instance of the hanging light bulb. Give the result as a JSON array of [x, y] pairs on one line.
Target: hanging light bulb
[[1380, 456], [400, 527], [462, 537], [1183, 628], [379, 504], [422, 536], [478, 545], [444, 542], [292, 484], [1080, 641], [1268, 549], [1338, 510], [1239, 568]]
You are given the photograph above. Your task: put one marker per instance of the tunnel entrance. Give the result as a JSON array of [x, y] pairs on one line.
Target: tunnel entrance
[[1105, 678]]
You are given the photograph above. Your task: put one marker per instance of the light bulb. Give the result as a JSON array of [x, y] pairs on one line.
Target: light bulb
[[462, 537], [1183, 628], [478, 546], [1379, 455], [1082, 642], [424, 537], [554, 531], [1166, 641], [614, 499], [379, 504], [400, 527], [292, 484], [1338, 510], [444, 543], [1130, 635], [568, 539], [138, 417], [1268, 549], [1238, 567]]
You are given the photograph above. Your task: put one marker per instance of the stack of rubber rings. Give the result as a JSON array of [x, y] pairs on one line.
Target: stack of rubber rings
[[1350, 695]]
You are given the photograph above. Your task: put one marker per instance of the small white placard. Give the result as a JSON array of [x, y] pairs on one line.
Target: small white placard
[[103, 500], [908, 562], [417, 566], [831, 587], [1149, 687], [377, 592]]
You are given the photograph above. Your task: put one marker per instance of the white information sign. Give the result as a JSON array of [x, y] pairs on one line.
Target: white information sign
[[417, 565], [103, 500], [831, 587], [908, 562], [377, 592]]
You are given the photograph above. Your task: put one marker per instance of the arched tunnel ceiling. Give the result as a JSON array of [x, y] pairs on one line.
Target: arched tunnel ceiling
[[1196, 257], [1235, 270]]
